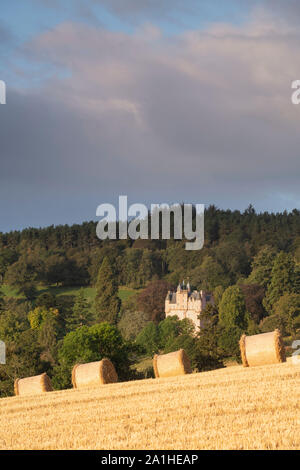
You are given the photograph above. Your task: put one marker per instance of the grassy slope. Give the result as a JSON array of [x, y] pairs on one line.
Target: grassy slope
[[90, 292], [232, 408]]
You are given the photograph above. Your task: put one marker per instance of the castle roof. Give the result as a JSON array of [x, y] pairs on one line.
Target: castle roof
[[172, 296], [182, 286]]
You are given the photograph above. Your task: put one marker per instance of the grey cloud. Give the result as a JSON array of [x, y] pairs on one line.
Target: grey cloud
[[288, 8], [140, 11], [134, 8], [149, 10], [6, 36], [156, 7], [206, 118]]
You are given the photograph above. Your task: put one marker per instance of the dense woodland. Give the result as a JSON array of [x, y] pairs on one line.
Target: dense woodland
[[250, 262]]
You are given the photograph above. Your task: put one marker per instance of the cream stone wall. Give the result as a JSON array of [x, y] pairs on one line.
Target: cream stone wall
[[187, 306]]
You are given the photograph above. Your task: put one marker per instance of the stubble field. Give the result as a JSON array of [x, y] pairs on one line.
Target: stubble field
[[232, 408]]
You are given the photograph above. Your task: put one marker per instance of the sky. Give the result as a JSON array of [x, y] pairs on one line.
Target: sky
[[163, 101]]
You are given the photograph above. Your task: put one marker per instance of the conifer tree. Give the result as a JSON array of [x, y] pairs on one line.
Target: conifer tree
[[81, 314], [232, 308], [283, 280], [107, 302], [1, 301], [262, 266]]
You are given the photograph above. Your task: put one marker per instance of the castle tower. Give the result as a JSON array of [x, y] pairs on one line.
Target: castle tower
[[185, 303]]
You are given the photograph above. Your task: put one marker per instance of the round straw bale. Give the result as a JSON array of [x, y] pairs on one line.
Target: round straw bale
[[172, 364], [33, 385], [94, 373], [259, 350]]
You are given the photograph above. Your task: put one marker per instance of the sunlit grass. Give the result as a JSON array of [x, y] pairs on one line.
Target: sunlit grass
[[90, 292]]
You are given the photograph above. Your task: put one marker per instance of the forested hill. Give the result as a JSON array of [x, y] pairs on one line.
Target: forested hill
[[71, 255], [62, 295]]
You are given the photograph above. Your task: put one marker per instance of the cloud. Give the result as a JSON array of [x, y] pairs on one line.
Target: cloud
[[204, 117], [289, 9], [133, 8], [176, 13], [6, 36], [137, 11]]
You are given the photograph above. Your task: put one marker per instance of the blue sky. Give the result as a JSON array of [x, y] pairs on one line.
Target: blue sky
[[25, 20], [165, 101], [34, 17], [30, 17]]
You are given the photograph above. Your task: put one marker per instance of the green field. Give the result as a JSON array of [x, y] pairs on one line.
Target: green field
[[90, 292], [9, 291]]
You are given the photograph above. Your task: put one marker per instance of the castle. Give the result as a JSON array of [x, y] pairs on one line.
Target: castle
[[186, 303]]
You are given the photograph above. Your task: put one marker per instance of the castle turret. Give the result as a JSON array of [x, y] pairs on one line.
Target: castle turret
[[187, 304]]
